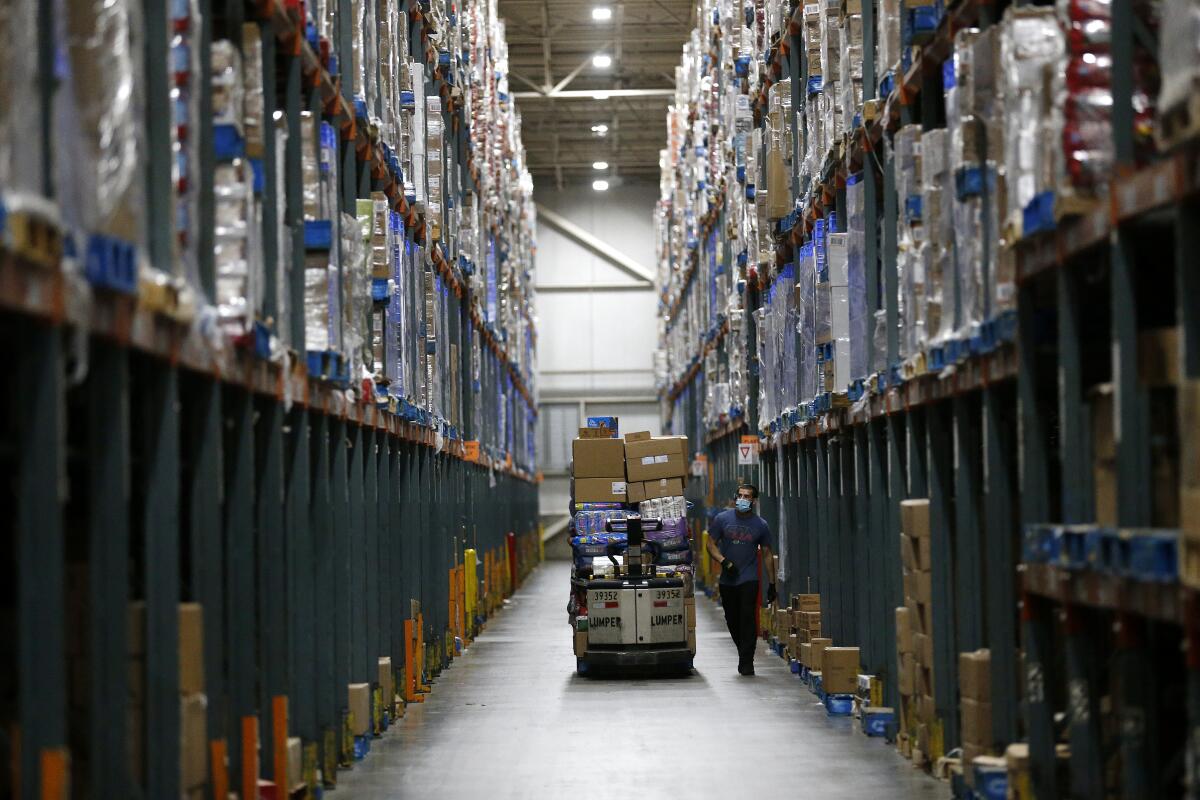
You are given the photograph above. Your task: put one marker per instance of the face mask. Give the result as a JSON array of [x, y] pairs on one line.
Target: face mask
[[742, 505]]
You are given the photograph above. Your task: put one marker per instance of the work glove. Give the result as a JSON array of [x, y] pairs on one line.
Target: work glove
[[728, 568], [771, 594]]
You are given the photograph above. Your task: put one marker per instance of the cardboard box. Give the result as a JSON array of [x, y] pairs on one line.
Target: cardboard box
[[923, 678], [810, 620], [663, 487], [387, 681], [817, 651], [598, 458], [920, 642], [908, 553], [914, 517], [193, 740], [924, 587], [601, 490], [975, 675], [635, 492], [919, 616], [907, 683], [295, 764], [660, 457], [839, 670], [904, 633], [924, 547], [806, 653], [909, 581], [191, 648], [806, 602], [595, 433], [638, 436], [970, 752], [359, 700], [1158, 356], [1104, 454], [976, 722], [580, 643]]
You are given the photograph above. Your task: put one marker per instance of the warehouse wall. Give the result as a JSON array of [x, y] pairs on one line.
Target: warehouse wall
[[595, 347]]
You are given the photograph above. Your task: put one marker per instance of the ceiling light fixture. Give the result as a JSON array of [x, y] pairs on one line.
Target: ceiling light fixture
[[600, 186], [599, 95], [601, 13], [599, 165], [601, 61], [600, 129]]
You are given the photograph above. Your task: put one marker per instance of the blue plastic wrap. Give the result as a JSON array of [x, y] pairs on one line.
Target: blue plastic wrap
[[806, 280]]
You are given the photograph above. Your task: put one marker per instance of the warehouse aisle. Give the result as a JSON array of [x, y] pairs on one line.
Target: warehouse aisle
[[512, 720]]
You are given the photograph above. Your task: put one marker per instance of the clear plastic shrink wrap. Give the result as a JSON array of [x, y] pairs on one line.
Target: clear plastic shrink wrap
[[98, 119]]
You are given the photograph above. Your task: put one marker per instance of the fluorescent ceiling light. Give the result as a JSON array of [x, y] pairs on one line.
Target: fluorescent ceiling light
[[601, 61], [600, 186], [600, 96], [599, 165], [600, 129], [601, 13]]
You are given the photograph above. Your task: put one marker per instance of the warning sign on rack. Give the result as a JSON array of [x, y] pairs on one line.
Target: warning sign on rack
[[748, 451], [700, 466]]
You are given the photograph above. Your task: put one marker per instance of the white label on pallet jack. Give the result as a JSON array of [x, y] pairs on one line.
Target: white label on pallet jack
[[612, 616], [660, 616]]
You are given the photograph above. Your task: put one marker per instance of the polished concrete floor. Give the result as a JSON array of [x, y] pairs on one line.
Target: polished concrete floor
[[511, 719]]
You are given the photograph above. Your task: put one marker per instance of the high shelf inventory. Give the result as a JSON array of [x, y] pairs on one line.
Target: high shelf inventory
[[266, 272], [921, 251]]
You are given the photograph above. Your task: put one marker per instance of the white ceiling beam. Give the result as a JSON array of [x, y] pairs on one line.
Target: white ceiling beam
[[640, 286], [593, 244], [579, 94]]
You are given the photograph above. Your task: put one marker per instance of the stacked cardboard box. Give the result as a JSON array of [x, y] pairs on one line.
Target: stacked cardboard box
[[839, 670], [640, 468], [975, 692], [193, 703], [914, 640]]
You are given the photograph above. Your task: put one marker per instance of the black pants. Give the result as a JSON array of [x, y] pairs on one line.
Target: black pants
[[740, 603]]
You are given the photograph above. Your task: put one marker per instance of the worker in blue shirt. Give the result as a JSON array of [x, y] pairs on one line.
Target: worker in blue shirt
[[735, 537]]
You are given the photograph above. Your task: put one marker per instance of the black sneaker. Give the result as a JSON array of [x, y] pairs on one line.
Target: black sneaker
[[745, 669]]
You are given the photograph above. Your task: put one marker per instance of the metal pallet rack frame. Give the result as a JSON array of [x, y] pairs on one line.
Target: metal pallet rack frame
[[317, 533], [1092, 625]]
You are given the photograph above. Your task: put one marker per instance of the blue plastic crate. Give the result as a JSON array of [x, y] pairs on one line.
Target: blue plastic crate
[[839, 705], [111, 264], [970, 180], [886, 84], [1039, 545], [1038, 216], [878, 722], [1072, 551], [228, 143], [1154, 555], [991, 782], [318, 234], [362, 746], [794, 666]]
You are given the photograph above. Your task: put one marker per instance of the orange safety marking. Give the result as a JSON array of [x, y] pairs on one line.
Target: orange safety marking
[[218, 769], [250, 758], [279, 724]]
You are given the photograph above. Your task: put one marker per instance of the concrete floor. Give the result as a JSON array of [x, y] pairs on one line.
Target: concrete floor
[[511, 719]]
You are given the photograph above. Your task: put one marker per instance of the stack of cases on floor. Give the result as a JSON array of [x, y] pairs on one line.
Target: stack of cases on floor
[[975, 699], [920, 731]]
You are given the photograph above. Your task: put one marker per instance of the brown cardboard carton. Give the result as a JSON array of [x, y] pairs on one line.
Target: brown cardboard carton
[[387, 681], [974, 675], [1158, 356], [925, 553], [191, 648], [193, 740], [598, 458], [638, 436], [816, 660], [1104, 454], [595, 433], [359, 700], [635, 492], [919, 644], [927, 651], [908, 553], [909, 582], [904, 634], [924, 587], [580, 643], [295, 763], [919, 615], [689, 607], [977, 722], [806, 602], [907, 667], [663, 487], [914, 517], [926, 708], [806, 653], [601, 490], [924, 679], [811, 620], [660, 457], [971, 752], [839, 670]]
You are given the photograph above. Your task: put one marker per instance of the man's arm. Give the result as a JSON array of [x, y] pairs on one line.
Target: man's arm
[[715, 531]]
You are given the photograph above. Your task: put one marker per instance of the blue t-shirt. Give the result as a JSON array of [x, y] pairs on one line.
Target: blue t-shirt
[[737, 538]]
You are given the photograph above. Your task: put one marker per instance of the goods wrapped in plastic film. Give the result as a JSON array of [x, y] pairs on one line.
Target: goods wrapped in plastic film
[[856, 273], [937, 212], [1030, 42], [98, 119], [20, 133], [806, 288], [887, 39], [879, 339], [237, 238], [1178, 53], [356, 293]]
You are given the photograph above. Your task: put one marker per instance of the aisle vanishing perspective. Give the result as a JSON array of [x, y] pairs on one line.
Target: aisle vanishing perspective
[[512, 719]]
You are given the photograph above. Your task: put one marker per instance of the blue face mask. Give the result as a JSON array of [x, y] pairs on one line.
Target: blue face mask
[[742, 505]]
